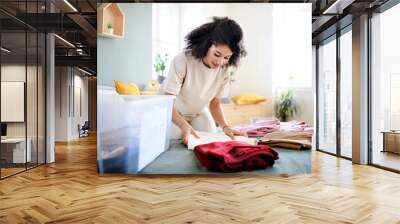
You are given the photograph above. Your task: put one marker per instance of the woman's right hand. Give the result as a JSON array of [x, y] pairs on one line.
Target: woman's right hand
[[187, 130]]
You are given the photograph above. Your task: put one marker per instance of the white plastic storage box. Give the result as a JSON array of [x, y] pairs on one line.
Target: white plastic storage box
[[131, 130]]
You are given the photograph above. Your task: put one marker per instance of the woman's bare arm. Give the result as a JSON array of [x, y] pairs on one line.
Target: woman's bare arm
[[185, 127], [216, 112], [218, 115]]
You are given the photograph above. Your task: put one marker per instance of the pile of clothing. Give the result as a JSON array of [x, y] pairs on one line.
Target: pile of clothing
[[260, 127], [293, 134], [235, 156], [288, 139], [296, 126]]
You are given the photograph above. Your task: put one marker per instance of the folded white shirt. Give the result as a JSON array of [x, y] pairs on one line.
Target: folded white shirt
[[208, 137]]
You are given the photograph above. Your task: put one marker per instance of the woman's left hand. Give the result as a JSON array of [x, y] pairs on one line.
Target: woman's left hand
[[232, 132]]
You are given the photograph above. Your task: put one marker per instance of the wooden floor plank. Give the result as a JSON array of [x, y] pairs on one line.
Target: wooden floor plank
[[71, 191]]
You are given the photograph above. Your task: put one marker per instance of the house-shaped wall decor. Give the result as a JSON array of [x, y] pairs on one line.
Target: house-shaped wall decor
[[110, 14]]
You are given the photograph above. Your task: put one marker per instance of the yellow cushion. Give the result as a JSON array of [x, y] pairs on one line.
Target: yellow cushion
[[152, 86], [248, 98], [126, 89]]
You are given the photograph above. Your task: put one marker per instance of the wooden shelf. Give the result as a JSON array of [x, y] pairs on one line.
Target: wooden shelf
[[110, 13], [109, 35]]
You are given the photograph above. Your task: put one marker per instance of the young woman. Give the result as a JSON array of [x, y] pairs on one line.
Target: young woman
[[198, 76]]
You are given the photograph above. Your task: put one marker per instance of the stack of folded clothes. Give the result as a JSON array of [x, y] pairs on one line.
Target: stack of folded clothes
[[296, 126], [259, 128], [288, 139], [234, 156]]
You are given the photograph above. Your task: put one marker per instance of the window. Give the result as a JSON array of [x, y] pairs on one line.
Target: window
[[394, 102], [385, 87], [346, 94], [327, 97], [166, 32], [290, 21], [172, 22]]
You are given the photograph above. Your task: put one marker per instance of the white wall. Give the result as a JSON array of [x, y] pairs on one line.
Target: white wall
[[67, 114], [61, 103], [255, 71], [17, 73], [128, 59], [78, 117], [305, 100], [194, 15]]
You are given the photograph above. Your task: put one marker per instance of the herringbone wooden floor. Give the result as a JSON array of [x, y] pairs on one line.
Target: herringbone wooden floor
[[71, 191]]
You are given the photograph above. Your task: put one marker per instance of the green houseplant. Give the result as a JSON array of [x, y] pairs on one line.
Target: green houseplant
[[232, 79], [285, 106], [159, 66], [110, 28]]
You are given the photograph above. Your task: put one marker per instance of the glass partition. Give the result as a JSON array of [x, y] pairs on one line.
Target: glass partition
[[31, 100], [346, 94], [22, 87], [327, 97], [41, 107], [385, 87], [13, 103]]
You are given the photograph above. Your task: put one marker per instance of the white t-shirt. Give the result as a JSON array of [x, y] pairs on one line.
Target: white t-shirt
[[194, 84]]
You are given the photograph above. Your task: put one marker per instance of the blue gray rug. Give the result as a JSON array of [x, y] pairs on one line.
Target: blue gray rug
[[179, 160]]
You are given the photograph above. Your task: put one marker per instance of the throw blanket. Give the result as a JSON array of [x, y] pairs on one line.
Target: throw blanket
[[286, 139], [296, 126], [259, 128], [234, 156]]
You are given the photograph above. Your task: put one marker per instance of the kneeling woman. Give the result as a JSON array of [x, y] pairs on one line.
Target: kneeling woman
[[198, 76]]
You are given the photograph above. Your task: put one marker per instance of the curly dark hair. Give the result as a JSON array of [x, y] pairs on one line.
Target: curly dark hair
[[221, 30]]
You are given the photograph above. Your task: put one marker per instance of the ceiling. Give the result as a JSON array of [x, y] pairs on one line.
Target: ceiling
[[72, 20], [329, 16], [75, 21]]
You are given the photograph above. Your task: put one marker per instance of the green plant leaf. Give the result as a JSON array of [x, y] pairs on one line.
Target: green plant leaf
[[285, 105], [160, 63]]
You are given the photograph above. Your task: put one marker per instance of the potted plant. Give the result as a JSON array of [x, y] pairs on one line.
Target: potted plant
[[285, 106], [228, 94], [159, 66], [110, 28]]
